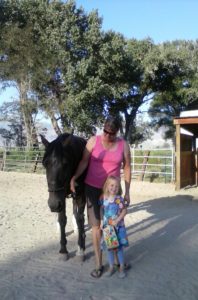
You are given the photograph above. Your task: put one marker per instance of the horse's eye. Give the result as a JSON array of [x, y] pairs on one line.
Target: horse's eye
[[65, 161]]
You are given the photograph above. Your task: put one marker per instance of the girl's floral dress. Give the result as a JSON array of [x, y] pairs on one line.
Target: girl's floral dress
[[111, 210]]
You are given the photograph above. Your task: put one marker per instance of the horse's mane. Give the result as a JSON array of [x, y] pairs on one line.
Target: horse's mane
[[59, 146], [56, 146]]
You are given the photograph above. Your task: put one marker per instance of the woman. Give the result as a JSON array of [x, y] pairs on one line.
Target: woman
[[104, 155]]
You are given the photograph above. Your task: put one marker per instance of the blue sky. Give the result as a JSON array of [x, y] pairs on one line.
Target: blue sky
[[160, 20]]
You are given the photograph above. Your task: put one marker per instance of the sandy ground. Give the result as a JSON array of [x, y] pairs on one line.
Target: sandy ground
[[162, 225]]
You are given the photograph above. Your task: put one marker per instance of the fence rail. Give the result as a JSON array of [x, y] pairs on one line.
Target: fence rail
[[153, 165], [14, 159]]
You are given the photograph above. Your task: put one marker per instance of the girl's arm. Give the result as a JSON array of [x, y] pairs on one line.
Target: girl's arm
[[120, 217]]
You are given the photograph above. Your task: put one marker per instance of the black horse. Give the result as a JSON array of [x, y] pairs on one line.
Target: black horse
[[60, 160]]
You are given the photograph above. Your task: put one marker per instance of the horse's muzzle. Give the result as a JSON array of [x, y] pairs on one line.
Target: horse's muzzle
[[56, 202]]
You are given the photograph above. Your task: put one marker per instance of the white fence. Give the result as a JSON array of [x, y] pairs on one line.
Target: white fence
[[153, 164], [21, 160], [150, 165]]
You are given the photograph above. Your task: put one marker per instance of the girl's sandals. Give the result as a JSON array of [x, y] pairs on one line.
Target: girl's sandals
[[97, 273], [127, 266], [122, 274], [110, 272]]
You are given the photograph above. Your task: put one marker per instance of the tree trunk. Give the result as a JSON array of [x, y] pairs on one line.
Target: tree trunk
[[129, 119], [54, 122], [30, 130]]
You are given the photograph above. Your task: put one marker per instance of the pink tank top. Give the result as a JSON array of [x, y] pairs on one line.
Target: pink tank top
[[104, 162]]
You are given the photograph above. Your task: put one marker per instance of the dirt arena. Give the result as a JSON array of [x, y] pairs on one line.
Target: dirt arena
[[162, 226]]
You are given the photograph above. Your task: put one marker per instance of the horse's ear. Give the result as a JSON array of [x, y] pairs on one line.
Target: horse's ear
[[44, 140]]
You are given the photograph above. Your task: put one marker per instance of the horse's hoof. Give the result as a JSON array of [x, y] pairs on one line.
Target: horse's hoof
[[63, 256], [80, 255], [80, 258]]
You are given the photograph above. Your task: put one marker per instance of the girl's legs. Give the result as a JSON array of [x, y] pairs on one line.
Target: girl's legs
[[120, 255], [110, 257]]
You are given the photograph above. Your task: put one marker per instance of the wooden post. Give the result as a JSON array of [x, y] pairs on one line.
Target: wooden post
[[36, 162], [4, 160], [196, 167], [144, 165], [178, 158]]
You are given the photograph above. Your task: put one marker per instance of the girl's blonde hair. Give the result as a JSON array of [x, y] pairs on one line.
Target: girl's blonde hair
[[105, 187]]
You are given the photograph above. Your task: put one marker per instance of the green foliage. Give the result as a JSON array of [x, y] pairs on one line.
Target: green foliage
[[64, 65], [173, 71]]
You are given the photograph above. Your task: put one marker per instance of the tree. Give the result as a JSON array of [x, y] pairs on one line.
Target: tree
[[75, 72], [20, 59], [65, 66], [125, 64], [13, 130], [173, 71]]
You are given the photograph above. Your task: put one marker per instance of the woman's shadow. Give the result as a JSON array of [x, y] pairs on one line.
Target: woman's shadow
[[168, 218]]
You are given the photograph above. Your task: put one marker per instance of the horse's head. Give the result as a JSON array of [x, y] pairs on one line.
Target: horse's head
[[60, 163]]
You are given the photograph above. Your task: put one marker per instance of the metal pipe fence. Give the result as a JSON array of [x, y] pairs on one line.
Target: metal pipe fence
[[152, 165], [21, 160]]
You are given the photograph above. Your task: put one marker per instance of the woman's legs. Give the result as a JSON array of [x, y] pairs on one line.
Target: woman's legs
[[93, 212], [96, 237]]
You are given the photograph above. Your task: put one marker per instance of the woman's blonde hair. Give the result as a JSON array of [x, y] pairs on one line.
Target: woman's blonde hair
[[105, 187]]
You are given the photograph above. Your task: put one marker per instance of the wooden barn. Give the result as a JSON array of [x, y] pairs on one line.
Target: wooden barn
[[186, 149]]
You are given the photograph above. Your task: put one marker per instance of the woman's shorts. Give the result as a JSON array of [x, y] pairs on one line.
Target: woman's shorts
[[93, 208]]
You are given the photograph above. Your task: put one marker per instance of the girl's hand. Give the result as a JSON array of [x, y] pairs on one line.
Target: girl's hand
[[114, 222]]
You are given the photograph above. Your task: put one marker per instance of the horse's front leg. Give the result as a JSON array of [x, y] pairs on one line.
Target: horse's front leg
[[62, 219], [78, 211]]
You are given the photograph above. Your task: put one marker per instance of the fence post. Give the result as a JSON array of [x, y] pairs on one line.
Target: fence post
[[25, 160], [36, 162], [4, 160], [144, 165], [133, 160]]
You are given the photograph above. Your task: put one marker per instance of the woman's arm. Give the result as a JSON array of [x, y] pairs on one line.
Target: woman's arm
[[127, 171]]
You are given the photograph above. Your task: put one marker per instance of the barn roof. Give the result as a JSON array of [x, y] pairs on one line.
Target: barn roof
[[188, 123]]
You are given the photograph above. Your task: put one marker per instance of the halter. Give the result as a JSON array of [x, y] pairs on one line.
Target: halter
[[71, 195], [56, 190]]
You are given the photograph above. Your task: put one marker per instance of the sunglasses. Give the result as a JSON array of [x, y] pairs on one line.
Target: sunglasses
[[109, 133]]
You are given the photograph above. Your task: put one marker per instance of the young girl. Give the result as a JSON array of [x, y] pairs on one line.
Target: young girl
[[113, 211]]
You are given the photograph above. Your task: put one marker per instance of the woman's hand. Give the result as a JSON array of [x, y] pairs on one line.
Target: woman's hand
[[101, 225], [127, 199], [72, 184]]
